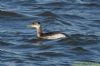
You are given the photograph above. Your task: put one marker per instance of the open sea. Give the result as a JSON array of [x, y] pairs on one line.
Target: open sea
[[80, 19]]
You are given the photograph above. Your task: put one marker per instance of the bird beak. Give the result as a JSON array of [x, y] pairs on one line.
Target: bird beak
[[29, 26]]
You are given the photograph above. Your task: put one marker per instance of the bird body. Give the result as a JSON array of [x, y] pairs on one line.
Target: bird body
[[50, 35]]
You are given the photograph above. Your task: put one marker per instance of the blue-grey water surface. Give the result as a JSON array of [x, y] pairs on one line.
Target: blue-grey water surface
[[80, 19]]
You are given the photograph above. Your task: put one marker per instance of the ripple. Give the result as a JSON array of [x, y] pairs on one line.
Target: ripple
[[56, 4], [35, 57], [81, 49], [5, 43], [3, 64], [47, 13], [91, 4], [73, 16], [9, 14], [51, 54], [81, 40], [25, 46]]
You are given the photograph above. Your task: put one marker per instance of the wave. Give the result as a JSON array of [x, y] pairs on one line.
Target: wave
[[56, 4], [80, 49], [49, 53], [10, 14], [5, 43], [81, 40], [73, 16], [47, 13], [87, 1]]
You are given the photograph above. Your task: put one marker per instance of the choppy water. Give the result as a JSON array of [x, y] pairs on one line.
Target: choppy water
[[78, 18]]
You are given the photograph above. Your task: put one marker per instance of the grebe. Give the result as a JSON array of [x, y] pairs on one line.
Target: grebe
[[42, 35]]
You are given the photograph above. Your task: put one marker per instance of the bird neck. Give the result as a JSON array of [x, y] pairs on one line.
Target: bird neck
[[39, 32]]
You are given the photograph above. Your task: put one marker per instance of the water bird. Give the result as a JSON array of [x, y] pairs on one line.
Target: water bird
[[49, 35]]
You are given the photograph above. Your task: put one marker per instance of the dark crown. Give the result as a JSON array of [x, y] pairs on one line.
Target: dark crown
[[36, 23]]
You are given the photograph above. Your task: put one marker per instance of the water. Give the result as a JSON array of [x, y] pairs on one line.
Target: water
[[78, 18]]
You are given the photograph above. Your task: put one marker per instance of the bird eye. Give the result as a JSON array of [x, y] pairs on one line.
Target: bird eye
[[38, 22]]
